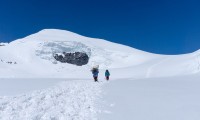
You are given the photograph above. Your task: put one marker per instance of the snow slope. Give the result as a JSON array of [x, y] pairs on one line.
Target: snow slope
[[169, 98], [68, 100], [32, 56]]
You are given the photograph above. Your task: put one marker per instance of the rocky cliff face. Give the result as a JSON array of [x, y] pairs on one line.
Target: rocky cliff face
[[77, 58]]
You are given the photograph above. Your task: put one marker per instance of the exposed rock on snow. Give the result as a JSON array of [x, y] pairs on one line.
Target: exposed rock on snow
[[53, 50], [77, 58]]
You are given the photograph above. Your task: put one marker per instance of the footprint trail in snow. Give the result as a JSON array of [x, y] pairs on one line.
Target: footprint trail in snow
[[69, 100]]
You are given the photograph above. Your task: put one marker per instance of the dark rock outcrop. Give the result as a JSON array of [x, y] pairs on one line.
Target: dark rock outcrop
[[77, 58]]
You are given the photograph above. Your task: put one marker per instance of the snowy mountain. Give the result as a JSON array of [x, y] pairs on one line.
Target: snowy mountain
[[39, 80], [33, 56]]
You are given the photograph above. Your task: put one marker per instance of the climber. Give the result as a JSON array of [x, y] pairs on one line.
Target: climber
[[107, 74], [95, 72]]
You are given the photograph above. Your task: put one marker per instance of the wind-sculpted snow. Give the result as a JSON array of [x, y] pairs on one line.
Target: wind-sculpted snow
[[69, 100]]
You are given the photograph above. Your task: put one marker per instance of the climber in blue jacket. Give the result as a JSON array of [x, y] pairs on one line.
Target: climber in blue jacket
[[107, 74]]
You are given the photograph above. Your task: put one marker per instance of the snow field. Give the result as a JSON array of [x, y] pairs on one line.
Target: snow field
[[69, 100], [169, 98]]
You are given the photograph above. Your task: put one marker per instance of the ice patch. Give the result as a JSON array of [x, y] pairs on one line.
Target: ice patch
[[47, 50]]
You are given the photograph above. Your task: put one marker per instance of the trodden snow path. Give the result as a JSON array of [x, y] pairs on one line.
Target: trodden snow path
[[69, 100]]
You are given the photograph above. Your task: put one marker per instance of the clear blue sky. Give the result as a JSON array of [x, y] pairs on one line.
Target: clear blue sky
[[158, 26]]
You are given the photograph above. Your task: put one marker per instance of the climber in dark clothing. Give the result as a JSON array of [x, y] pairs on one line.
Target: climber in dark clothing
[[95, 73]]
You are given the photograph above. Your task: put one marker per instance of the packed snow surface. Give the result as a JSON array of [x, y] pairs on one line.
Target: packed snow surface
[[69, 100], [143, 86]]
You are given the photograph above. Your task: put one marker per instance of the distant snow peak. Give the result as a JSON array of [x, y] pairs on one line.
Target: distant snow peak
[[3, 44]]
